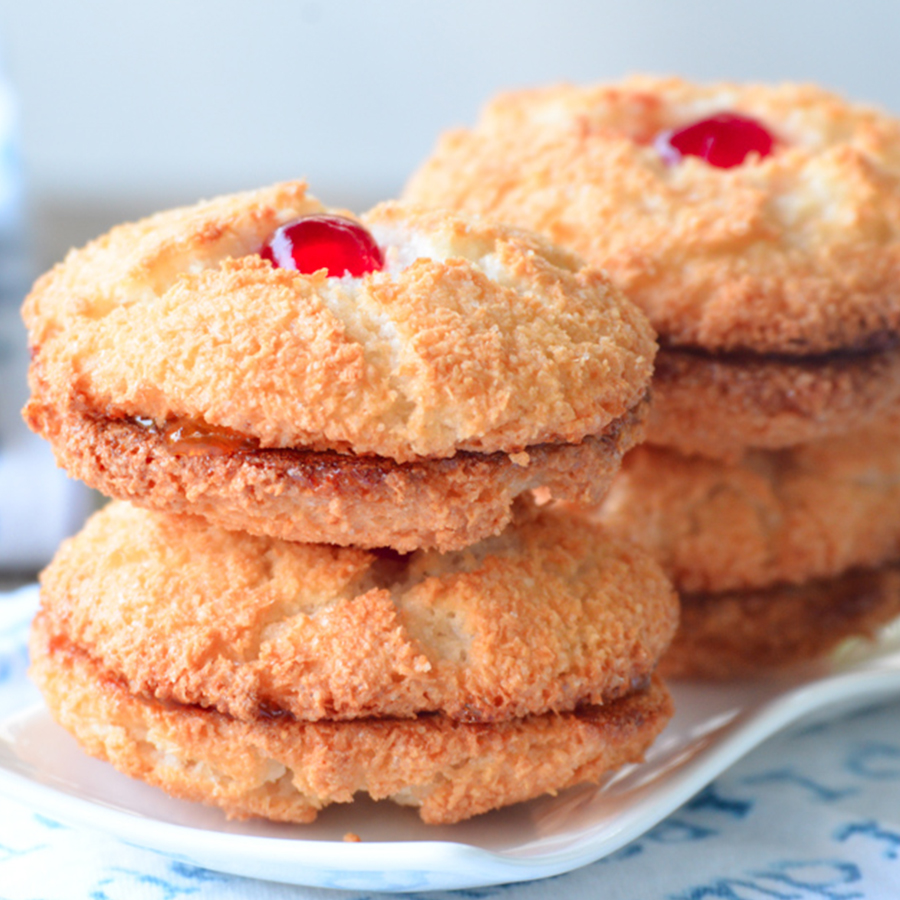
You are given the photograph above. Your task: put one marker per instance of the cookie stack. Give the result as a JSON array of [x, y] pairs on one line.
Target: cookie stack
[[323, 572], [759, 229]]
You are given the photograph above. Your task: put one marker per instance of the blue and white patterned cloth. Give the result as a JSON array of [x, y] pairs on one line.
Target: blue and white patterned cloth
[[812, 815]]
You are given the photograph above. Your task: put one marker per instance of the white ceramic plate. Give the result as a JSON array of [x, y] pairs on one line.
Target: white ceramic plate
[[41, 766]]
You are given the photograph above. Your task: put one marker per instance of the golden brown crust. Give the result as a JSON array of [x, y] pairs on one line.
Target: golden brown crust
[[795, 253], [474, 336], [287, 770], [328, 497], [750, 633], [811, 511], [719, 406], [549, 615]]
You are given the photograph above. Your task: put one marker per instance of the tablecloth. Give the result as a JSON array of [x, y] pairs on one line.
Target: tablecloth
[[812, 813]]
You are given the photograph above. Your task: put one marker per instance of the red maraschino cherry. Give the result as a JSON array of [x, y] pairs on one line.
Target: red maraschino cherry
[[335, 243], [724, 141]]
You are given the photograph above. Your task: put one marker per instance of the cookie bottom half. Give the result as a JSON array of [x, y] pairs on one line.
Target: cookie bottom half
[[731, 635], [329, 497], [287, 770], [719, 405]]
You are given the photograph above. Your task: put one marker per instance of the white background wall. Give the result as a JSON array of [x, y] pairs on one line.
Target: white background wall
[[176, 99]]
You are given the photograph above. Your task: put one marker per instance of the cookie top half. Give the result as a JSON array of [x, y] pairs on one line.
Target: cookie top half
[[794, 250], [545, 616], [470, 337], [770, 517]]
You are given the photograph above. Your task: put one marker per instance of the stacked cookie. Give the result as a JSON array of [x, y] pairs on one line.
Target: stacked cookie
[[323, 572], [759, 228]]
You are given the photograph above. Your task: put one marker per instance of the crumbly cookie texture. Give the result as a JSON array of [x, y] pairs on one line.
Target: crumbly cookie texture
[[549, 615], [722, 405], [330, 497], [474, 336], [811, 511], [798, 252], [287, 770], [745, 634]]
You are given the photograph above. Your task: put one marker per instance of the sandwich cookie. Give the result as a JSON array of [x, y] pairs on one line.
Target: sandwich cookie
[[753, 224], [208, 360], [272, 678], [778, 558]]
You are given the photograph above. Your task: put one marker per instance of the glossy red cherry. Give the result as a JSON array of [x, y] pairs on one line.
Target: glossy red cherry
[[335, 243], [724, 141]]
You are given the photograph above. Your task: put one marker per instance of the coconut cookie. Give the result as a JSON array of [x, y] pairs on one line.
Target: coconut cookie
[[287, 770], [787, 516], [748, 633], [275, 368], [550, 615], [746, 220]]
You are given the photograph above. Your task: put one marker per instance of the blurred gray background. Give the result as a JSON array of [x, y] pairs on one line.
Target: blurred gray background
[[126, 108]]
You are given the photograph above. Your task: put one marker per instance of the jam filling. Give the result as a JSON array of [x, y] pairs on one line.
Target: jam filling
[[337, 244], [724, 141], [187, 438]]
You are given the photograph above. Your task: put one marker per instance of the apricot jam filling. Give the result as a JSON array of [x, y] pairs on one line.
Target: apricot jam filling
[[185, 437]]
